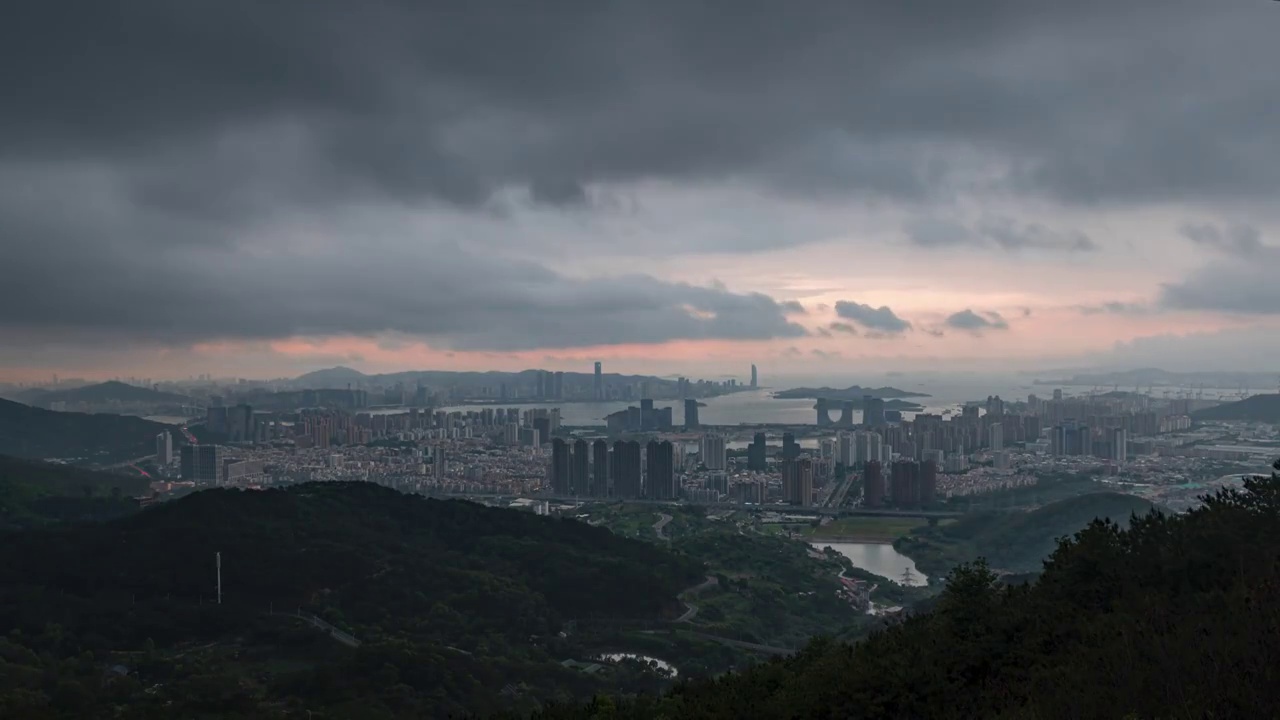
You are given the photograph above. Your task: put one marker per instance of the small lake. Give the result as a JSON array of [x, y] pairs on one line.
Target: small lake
[[880, 559], [662, 664]]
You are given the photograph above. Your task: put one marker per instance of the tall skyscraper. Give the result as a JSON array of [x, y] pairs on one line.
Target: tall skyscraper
[[928, 482], [790, 448], [660, 468], [756, 453], [797, 482], [754, 378], [626, 469], [647, 420], [872, 411], [600, 468], [713, 452], [1119, 444], [597, 387], [580, 481], [691, 414], [561, 467], [558, 386], [867, 447], [845, 450], [873, 485], [996, 435], [164, 448], [904, 483]]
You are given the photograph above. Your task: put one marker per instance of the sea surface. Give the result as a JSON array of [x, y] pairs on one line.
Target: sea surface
[[760, 407]]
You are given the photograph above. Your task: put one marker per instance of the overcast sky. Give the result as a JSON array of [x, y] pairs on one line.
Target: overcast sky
[[264, 188]]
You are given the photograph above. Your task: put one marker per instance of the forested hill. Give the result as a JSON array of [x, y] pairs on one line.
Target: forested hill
[[1177, 616], [35, 493], [452, 601], [1258, 408], [32, 432]]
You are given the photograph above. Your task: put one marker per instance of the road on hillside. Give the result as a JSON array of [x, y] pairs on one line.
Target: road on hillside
[[658, 530], [692, 610]]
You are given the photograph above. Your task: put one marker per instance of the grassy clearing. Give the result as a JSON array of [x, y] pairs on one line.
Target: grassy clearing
[[885, 529]]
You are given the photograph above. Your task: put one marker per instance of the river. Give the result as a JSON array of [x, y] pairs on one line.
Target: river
[[881, 559]]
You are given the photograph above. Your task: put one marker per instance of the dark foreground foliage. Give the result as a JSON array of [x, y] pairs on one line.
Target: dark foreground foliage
[[452, 602], [1175, 617]]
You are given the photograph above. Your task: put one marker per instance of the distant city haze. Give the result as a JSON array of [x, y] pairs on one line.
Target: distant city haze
[[667, 189]]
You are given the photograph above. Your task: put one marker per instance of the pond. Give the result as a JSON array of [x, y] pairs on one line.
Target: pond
[[881, 559]]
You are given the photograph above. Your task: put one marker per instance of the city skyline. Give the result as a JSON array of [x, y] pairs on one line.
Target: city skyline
[[880, 194]]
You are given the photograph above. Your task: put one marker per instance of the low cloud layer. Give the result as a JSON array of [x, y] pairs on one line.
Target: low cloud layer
[[881, 319], [1000, 232], [969, 320], [175, 173]]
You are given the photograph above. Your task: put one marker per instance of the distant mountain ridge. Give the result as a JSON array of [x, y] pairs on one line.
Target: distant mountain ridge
[[341, 376], [85, 438], [104, 393], [1259, 408]]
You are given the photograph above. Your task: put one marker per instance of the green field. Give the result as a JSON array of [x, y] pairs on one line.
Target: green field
[[867, 529]]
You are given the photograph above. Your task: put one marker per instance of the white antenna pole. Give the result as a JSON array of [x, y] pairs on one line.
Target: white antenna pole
[[219, 558]]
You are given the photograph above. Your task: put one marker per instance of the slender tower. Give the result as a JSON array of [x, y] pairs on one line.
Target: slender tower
[[218, 558]]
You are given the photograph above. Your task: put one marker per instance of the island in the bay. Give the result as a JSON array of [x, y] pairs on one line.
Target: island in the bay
[[854, 392]]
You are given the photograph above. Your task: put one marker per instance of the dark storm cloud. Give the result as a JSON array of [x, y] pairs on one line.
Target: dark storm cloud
[[880, 319], [1235, 239], [969, 320], [1082, 101], [181, 171], [998, 232], [1244, 285]]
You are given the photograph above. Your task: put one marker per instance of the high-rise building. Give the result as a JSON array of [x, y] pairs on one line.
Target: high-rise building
[[660, 483], [757, 453], [647, 420], [904, 483], [867, 447], [797, 482], [872, 411], [995, 433], [202, 464], [928, 482], [1058, 440], [561, 467], [845, 450], [440, 460], [1119, 444], [754, 378], [790, 448], [164, 448], [713, 452], [625, 469], [558, 386], [580, 475], [597, 387], [873, 485], [691, 414], [600, 468]]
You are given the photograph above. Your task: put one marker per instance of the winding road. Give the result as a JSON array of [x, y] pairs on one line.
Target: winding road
[[658, 527]]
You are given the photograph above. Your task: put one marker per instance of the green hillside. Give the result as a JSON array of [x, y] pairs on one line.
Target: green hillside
[[1175, 617], [37, 493], [1259, 408], [451, 602], [84, 438], [1011, 541]]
